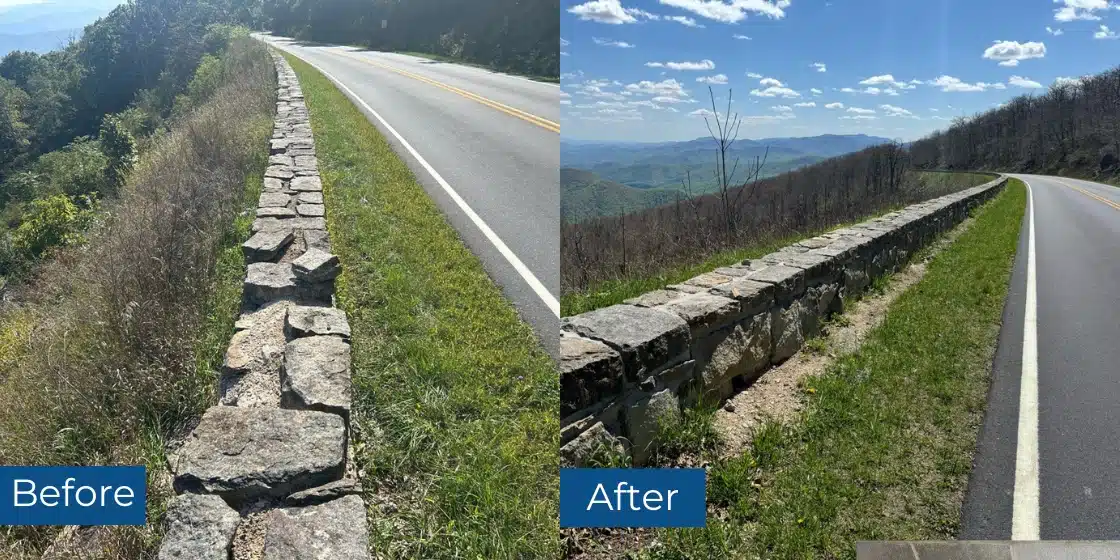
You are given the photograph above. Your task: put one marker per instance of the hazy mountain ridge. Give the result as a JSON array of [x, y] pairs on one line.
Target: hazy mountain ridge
[[603, 178]]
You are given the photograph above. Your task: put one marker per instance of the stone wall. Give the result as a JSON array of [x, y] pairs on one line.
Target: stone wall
[[267, 473], [628, 369]]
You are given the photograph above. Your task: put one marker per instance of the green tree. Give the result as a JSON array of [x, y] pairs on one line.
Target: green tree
[[119, 148]]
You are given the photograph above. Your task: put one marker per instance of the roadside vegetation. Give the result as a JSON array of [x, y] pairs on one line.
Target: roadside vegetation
[[454, 399], [110, 345], [504, 35], [597, 243], [883, 446]]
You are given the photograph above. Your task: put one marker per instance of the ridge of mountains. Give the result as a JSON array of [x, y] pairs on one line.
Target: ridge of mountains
[[46, 26], [610, 178]]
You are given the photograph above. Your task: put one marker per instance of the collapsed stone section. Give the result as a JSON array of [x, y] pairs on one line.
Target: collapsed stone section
[[628, 369], [273, 452]]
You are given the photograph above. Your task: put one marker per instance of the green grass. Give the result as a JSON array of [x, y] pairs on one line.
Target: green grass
[[615, 291], [454, 400], [884, 446]]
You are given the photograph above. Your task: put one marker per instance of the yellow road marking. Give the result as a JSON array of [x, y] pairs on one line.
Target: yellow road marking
[[512, 111], [1092, 195]]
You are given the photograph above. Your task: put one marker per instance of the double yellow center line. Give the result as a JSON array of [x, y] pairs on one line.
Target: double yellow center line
[[512, 111], [1093, 195]]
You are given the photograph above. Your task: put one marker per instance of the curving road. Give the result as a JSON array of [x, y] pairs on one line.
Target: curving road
[[1047, 463], [485, 146]]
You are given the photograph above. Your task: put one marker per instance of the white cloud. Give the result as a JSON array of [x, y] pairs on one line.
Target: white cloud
[[816, 91], [664, 88], [565, 101], [702, 113], [806, 104], [782, 108], [699, 65], [859, 117], [951, 84], [754, 75], [932, 110], [733, 11], [610, 43], [1061, 81], [685, 21], [603, 11], [1080, 9], [564, 42], [1054, 32], [1009, 53], [770, 82], [885, 79], [741, 37], [718, 79], [834, 106], [893, 111], [562, 53], [820, 66], [1023, 82], [859, 111], [775, 91], [1105, 33]]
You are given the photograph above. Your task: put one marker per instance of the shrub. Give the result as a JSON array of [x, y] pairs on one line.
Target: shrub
[[77, 169], [52, 222]]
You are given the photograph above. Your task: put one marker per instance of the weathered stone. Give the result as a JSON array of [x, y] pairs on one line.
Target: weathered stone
[[250, 373], [704, 312], [309, 198], [740, 351], [788, 281], [317, 239], [590, 371], [275, 212], [593, 447], [310, 210], [281, 159], [647, 418], [265, 246], [335, 529], [678, 379], [708, 280], [786, 332], [647, 339], [818, 268], [272, 184], [269, 281], [279, 145], [244, 453], [307, 184], [316, 266], [199, 527], [325, 493], [306, 320], [685, 288], [273, 224], [279, 172], [316, 375], [306, 161], [273, 199], [654, 298], [753, 296]]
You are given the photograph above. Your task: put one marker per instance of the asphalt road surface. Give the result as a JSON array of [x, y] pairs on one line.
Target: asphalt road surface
[[1048, 459], [485, 146]]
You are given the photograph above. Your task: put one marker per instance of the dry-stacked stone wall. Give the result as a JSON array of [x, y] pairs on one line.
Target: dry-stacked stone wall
[[267, 471], [627, 370]]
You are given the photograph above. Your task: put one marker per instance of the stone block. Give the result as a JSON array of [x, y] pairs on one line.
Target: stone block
[[273, 199], [646, 418], [316, 266], [309, 198], [786, 331], [593, 447], [265, 246], [247, 453], [310, 210], [307, 184], [273, 224], [647, 339], [753, 296], [590, 372], [316, 375], [654, 298], [199, 527], [708, 280], [280, 159], [335, 529], [279, 172], [325, 493], [317, 239], [740, 351], [788, 281], [306, 320], [275, 212], [704, 312], [266, 282], [272, 184]]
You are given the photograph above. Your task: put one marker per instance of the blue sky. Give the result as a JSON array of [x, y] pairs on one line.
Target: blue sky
[[639, 70]]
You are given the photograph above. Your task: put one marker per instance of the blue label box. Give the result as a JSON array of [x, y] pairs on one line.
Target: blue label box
[[73, 496], [633, 498]]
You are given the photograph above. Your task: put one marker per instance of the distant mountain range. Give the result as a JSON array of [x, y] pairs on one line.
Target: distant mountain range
[[607, 178], [47, 26]]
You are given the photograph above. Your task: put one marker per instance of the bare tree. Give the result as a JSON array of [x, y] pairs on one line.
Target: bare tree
[[725, 134]]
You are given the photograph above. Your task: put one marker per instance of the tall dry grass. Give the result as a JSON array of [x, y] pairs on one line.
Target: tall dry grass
[[114, 351]]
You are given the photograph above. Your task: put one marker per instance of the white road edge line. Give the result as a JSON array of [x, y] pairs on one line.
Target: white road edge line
[[527, 275], [1024, 510]]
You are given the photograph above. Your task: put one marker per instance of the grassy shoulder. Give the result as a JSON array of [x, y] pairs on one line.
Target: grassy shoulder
[[883, 447], [454, 401], [617, 290]]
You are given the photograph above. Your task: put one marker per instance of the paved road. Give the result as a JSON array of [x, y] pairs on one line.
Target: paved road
[[1048, 460], [480, 143]]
